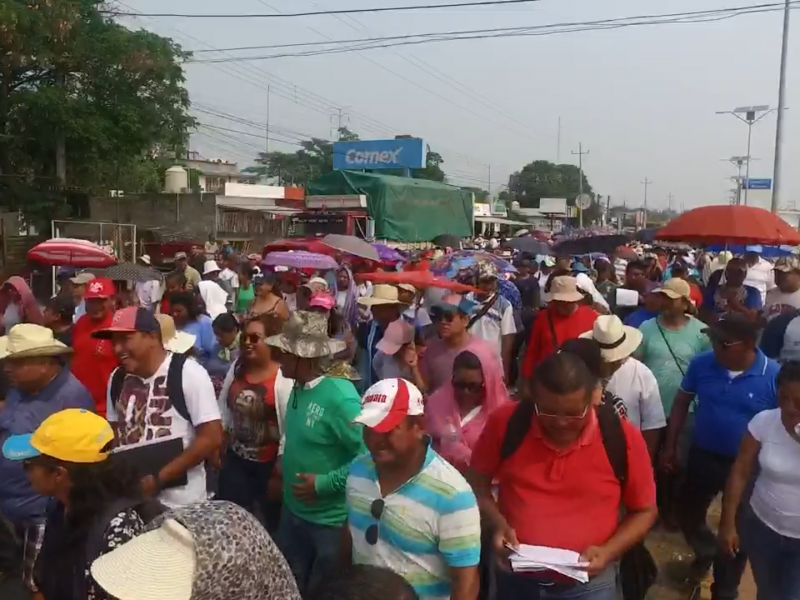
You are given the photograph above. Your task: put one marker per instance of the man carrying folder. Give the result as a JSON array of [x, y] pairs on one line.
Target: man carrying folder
[[165, 412]]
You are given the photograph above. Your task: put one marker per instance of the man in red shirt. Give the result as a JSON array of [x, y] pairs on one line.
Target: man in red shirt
[[94, 360], [552, 460], [563, 319]]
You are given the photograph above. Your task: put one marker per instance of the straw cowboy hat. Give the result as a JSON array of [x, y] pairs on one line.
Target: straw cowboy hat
[[175, 341], [27, 341], [565, 289], [382, 294], [305, 335], [616, 341]]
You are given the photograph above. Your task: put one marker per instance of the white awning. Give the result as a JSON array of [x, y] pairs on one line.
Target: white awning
[[502, 221]]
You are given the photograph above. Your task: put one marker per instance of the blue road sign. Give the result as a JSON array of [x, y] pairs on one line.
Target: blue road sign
[[759, 184]]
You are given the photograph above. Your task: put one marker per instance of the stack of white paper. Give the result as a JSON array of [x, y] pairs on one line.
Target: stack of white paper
[[541, 558]]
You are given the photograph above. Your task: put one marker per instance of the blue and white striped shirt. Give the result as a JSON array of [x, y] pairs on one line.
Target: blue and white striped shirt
[[428, 525]]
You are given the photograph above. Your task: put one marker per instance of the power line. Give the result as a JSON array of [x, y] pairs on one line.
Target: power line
[[346, 11], [687, 18], [328, 41]]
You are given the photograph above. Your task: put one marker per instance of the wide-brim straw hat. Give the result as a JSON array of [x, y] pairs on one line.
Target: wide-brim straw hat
[[616, 341], [178, 342], [29, 341], [382, 294], [168, 550], [305, 335]]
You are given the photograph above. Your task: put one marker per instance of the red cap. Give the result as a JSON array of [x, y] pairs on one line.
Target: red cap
[[99, 289]]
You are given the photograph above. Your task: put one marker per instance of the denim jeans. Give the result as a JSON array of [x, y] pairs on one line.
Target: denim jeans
[[774, 558], [311, 550], [706, 476], [244, 482], [515, 586]]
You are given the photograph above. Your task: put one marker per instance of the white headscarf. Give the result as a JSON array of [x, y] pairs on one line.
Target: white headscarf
[[214, 297]]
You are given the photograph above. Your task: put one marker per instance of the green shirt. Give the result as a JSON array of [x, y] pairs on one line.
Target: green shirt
[[321, 439], [654, 352], [245, 299]]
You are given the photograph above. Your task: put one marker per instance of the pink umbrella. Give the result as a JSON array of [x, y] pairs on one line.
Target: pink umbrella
[[62, 252]]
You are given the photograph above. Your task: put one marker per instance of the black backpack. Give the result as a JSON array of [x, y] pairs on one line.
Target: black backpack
[[174, 385], [638, 570]]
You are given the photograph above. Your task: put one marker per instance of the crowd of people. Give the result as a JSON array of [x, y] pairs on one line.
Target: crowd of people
[[240, 432]]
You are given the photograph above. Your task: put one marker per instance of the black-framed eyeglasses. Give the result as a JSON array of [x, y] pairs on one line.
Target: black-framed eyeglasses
[[376, 510]]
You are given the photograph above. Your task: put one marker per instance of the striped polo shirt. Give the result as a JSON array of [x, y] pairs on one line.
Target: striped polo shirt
[[428, 525]]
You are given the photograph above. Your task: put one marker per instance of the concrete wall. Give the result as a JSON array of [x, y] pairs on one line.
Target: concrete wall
[[191, 215]]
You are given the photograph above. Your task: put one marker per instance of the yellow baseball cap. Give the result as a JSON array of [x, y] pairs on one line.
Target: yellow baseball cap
[[74, 435]]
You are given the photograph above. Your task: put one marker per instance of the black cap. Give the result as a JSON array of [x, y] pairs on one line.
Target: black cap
[[733, 327]]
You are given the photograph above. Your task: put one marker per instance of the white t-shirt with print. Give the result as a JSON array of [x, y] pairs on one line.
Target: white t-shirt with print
[[144, 414], [776, 299], [776, 495], [637, 387]]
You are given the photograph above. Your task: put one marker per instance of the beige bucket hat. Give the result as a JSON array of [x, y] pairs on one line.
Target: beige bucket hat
[[27, 341], [382, 294]]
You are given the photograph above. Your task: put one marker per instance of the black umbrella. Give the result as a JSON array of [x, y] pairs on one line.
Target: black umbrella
[[132, 272], [586, 245], [646, 236], [528, 245], [447, 241]]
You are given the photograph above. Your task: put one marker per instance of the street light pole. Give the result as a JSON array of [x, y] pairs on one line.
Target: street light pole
[[776, 170], [747, 169], [645, 183], [751, 116]]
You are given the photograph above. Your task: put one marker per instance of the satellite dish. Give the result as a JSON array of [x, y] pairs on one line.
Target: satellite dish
[[583, 201]]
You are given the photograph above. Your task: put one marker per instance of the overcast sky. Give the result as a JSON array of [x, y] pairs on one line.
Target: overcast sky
[[641, 100]]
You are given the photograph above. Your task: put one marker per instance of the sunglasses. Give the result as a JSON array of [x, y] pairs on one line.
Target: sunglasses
[[441, 314], [469, 386], [724, 344], [376, 510], [253, 338]]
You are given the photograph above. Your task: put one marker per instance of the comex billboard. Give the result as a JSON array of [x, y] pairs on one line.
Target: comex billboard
[[401, 153]]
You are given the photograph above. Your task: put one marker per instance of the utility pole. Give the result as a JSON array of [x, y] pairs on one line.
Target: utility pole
[[670, 198], [489, 177], [646, 183], [776, 169], [580, 154], [558, 142], [266, 142]]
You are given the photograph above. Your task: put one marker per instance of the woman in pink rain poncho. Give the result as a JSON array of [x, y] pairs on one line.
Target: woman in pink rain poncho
[[17, 304], [458, 411]]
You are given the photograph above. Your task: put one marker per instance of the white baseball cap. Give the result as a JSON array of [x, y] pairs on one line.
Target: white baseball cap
[[388, 402]]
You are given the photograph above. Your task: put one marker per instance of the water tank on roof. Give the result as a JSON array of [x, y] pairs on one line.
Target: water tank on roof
[[515, 205], [176, 180]]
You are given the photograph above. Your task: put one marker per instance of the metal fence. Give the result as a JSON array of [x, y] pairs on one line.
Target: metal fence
[[118, 238]]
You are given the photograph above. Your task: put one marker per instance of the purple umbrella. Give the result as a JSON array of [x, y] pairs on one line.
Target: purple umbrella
[[387, 254], [300, 260]]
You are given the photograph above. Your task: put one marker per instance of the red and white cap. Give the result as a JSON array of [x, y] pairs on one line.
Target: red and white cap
[[388, 402]]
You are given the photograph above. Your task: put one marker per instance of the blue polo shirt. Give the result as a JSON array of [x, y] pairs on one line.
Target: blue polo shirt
[[726, 404]]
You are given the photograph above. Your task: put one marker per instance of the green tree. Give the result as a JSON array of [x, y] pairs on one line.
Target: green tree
[[433, 168], [315, 158], [543, 179], [84, 102]]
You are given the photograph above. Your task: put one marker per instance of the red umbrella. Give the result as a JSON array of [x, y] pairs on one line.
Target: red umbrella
[[730, 225], [422, 280], [63, 252]]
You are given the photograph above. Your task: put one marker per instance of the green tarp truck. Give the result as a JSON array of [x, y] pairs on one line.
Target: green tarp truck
[[403, 209]]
